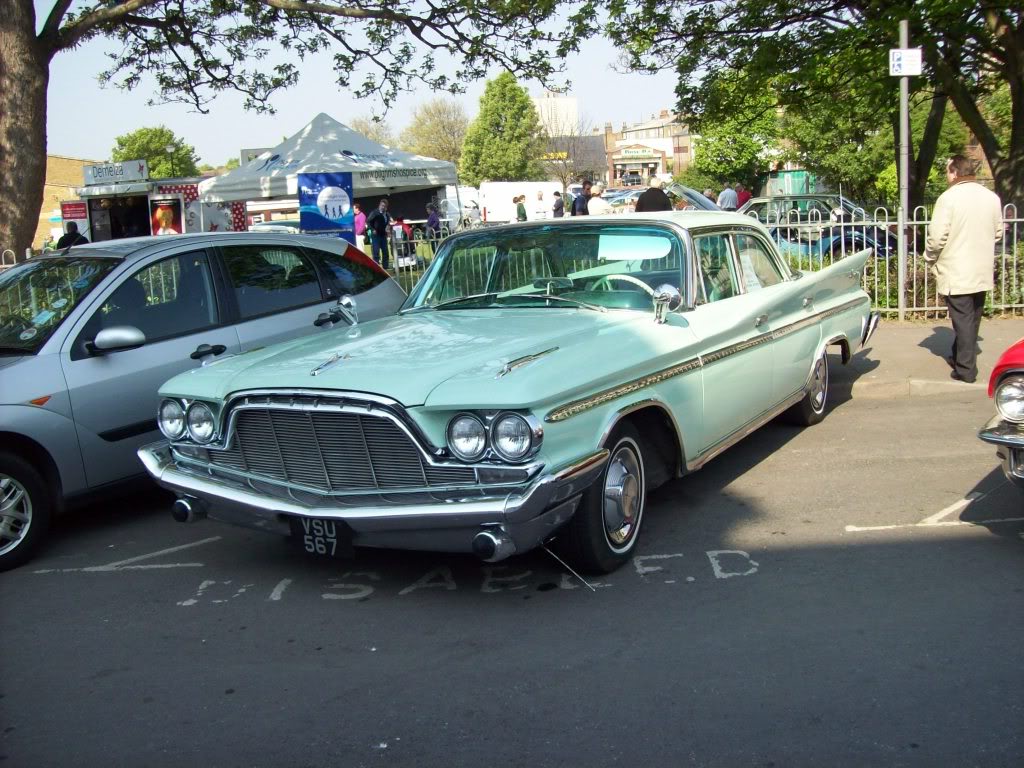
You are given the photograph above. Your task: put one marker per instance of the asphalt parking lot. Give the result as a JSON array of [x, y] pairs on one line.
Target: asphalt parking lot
[[848, 594]]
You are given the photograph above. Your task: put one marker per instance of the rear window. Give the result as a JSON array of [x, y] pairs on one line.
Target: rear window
[[352, 272]]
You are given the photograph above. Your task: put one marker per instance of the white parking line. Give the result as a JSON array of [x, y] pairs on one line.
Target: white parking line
[[937, 521], [126, 565]]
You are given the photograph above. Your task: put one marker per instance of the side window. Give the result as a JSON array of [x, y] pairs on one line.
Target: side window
[[171, 297], [756, 262], [717, 275], [352, 272], [270, 278], [757, 211]]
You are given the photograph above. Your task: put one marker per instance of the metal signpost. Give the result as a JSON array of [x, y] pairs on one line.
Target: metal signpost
[[904, 63]]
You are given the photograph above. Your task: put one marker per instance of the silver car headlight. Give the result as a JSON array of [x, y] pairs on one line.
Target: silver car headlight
[[467, 437], [201, 425], [1009, 397], [511, 437], [171, 418]]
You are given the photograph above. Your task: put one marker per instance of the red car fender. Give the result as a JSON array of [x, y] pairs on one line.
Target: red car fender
[[1011, 359]]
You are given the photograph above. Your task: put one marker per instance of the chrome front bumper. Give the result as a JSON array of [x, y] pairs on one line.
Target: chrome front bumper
[[1009, 441], [528, 514]]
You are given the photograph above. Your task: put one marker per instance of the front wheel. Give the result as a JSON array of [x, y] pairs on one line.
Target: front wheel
[[602, 535], [25, 508], [811, 409]]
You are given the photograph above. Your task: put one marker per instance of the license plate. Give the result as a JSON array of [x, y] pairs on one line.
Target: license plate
[[317, 536]]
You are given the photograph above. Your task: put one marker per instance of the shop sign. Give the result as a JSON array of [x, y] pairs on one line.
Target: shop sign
[[114, 173], [637, 152], [74, 210]]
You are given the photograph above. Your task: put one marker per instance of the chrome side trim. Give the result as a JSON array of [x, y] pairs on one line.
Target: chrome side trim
[[703, 458], [519, 362], [577, 407], [583, 404]]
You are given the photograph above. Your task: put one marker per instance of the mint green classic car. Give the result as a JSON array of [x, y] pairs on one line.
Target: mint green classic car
[[538, 383]]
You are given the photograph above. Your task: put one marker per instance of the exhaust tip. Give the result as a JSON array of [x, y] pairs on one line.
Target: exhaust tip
[[493, 545], [187, 510]]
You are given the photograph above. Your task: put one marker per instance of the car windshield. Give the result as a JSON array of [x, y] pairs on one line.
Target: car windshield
[[35, 297], [565, 266]]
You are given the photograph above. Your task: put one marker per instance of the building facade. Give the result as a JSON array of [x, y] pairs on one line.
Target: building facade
[[63, 177], [559, 115], [661, 146]]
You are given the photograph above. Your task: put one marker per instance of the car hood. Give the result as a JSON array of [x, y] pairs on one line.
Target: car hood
[[441, 358]]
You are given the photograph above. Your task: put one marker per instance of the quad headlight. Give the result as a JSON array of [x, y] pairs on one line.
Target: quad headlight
[[467, 437], [202, 427], [511, 436], [171, 418], [1009, 397]]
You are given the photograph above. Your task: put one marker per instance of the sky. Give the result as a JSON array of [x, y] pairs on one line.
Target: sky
[[84, 118]]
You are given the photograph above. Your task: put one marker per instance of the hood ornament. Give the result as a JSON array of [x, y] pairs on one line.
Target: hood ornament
[[329, 363], [511, 365]]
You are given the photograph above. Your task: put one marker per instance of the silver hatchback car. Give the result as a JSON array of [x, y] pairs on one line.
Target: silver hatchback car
[[88, 335]]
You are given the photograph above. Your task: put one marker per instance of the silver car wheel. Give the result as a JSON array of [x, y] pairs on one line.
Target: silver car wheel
[[623, 496], [15, 513], [819, 385]]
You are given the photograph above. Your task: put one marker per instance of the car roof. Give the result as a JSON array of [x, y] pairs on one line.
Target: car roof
[[133, 248], [695, 218]]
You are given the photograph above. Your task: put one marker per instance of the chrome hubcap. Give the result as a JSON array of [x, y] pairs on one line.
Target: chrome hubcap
[[15, 513], [819, 385], [623, 498]]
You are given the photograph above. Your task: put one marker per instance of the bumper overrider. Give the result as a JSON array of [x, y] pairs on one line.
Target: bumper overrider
[[511, 520], [1009, 441]]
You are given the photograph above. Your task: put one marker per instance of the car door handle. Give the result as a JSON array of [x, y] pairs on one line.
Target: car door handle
[[808, 300], [760, 320], [205, 349]]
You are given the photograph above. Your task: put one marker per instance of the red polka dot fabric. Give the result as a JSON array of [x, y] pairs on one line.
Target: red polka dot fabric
[[238, 217], [190, 192]]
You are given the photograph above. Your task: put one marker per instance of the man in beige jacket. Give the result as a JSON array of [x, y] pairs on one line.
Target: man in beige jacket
[[966, 224]]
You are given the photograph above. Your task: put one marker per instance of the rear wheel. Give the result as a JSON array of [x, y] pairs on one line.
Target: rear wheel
[[602, 535], [25, 510], [811, 409]]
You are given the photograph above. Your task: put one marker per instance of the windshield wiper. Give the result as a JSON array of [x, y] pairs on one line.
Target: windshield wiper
[[463, 299], [555, 297]]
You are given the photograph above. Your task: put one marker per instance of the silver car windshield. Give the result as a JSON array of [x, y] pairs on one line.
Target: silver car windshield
[[591, 266], [36, 296]]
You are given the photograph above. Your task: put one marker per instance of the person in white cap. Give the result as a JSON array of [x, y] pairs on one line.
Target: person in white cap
[[597, 204], [653, 198]]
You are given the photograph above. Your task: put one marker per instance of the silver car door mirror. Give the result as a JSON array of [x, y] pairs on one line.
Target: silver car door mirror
[[347, 309], [115, 338], [667, 298]]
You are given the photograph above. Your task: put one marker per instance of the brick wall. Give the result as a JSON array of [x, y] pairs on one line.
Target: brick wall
[[63, 176]]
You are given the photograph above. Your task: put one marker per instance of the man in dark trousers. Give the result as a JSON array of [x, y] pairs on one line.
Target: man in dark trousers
[[558, 208], [579, 205], [72, 237], [653, 198], [966, 224], [378, 223]]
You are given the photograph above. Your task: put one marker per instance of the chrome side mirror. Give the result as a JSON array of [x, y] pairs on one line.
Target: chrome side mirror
[[347, 309], [667, 298], [116, 338]]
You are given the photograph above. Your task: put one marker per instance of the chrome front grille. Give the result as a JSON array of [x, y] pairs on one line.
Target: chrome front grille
[[330, 451]]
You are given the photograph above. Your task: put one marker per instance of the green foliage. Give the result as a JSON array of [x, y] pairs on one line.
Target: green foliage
[[691, 177], [373, 129], [504, 142], [151, 145], [853, 151], [827, 62], [738, 145], [232, 163], [437, 130]]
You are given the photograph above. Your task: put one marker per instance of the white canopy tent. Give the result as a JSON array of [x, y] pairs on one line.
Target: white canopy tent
[[327, 146]]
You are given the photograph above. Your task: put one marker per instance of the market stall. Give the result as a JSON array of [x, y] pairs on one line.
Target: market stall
[[327, 156]]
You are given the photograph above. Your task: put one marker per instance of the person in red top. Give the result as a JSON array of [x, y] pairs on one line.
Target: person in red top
[[742, 195]]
